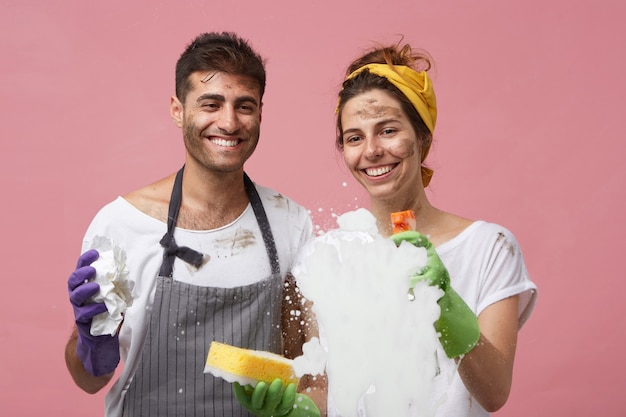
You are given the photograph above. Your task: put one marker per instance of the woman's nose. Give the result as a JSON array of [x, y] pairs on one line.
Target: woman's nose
[[374, 148]]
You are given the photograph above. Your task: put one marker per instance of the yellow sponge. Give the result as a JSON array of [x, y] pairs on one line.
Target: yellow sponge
[[248, 366]]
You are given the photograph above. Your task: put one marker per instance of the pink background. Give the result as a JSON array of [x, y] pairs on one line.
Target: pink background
[[530, 135]]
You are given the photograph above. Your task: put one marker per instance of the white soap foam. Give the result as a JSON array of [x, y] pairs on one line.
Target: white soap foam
[[381, 347]]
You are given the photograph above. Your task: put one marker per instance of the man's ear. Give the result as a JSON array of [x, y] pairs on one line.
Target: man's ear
[[176, 111], [261, 112]]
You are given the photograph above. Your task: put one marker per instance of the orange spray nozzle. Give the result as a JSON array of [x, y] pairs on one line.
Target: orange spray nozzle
[[403, 221]]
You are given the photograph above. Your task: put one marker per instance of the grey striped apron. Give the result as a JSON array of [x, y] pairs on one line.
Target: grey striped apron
[[185, 318]]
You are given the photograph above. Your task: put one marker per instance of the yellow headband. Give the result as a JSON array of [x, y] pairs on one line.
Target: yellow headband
[[418, 88]]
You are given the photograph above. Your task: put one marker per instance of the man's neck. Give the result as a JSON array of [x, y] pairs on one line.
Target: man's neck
[[208, 202], [211, 200]]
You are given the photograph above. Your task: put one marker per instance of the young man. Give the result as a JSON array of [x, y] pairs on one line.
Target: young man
[[209, 252]]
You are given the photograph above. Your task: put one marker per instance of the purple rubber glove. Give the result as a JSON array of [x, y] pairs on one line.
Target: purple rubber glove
[[99, 354]]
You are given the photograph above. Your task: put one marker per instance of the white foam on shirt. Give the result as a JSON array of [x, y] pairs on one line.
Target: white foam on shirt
[[380, 346]]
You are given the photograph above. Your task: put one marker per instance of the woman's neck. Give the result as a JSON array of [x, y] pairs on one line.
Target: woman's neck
[[425, 213], [439, 226]]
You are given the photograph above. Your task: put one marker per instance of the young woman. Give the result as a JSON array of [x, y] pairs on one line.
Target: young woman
[[386, 117]]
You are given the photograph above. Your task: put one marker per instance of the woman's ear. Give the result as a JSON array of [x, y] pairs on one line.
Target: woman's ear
[[424, 146]]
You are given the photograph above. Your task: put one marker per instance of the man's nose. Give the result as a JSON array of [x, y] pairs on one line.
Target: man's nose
[[228, 122]]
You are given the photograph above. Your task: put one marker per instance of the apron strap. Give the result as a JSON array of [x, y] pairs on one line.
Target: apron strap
[[172, 250], [264, 224]]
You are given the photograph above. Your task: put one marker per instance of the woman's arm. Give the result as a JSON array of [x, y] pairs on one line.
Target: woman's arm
[[487, 370]]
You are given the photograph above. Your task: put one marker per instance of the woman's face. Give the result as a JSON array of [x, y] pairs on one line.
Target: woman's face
[[380, 146]]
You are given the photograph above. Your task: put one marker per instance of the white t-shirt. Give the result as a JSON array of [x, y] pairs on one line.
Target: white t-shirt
[[237, 257], [486, 266]]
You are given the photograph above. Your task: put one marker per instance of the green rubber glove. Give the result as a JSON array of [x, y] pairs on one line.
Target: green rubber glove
[[273, 401], [457, 324], [304, 406]]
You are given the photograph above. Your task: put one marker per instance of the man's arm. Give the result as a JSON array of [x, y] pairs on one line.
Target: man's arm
[[90, 359], [83, 379], [293, 321], [299, 326]]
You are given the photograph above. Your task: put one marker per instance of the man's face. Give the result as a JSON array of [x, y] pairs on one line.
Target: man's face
[[221, 119]]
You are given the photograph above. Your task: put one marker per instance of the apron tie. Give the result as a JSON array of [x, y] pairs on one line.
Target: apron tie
[[172, 250], [188, 255]]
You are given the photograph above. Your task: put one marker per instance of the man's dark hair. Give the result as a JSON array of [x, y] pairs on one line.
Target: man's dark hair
[[222, 52]]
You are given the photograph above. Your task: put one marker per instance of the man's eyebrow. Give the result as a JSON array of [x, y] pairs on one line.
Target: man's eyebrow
[[246, 99], [222, 99], [209, 96]]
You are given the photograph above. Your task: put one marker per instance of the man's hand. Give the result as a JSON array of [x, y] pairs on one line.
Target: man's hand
[[273, 401], [457, 324], [100, 355]]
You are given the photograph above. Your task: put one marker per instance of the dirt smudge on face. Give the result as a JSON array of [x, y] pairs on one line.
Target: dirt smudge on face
[[371, 110]]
